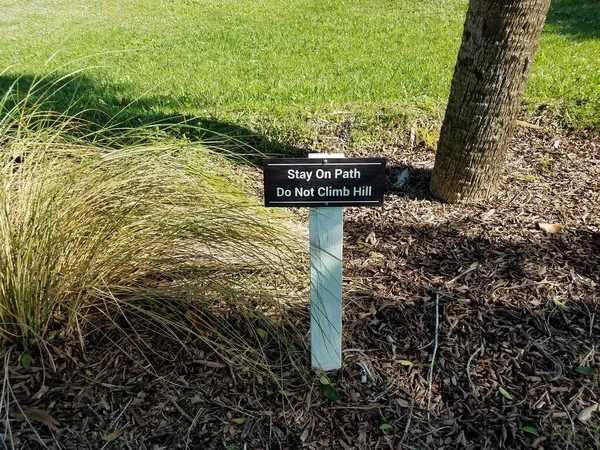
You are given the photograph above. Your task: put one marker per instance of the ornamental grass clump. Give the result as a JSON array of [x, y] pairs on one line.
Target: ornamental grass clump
[[163, 232]]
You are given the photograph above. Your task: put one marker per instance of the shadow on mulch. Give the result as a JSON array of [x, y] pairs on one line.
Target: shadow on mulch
[[408, 181], [517, 313]]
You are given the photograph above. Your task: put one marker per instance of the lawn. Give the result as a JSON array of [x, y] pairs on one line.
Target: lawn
[[281, 63]]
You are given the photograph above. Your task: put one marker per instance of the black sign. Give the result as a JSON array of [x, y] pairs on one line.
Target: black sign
[[295, 182]]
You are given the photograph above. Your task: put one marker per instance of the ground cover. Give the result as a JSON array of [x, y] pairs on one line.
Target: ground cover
[[516, 310]]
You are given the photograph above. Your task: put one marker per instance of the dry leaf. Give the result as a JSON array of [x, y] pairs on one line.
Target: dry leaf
[[528, 125], [586, 413], [37, 415], [41, 392], [304, 435], [113, 436], [403, 403], [550, 228]]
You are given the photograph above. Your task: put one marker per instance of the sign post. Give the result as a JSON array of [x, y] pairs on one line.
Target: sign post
[[326, 232], [325, 183]]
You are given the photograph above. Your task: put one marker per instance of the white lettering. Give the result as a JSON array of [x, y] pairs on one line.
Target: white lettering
[[352, 173], [294, 174], [328, 191], [320, 174], [304, 192], [362, 191]]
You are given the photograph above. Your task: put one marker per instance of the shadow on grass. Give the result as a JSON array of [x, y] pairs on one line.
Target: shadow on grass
[[107, 106], [578, 18]]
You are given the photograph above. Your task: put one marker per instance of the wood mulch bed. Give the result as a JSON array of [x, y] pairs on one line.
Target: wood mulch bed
[[510, 310]]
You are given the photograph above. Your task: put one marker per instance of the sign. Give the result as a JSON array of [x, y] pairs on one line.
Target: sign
[[299, 182], [325, 183]]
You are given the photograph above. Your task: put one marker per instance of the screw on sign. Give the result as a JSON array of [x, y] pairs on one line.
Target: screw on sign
[[325, 183]]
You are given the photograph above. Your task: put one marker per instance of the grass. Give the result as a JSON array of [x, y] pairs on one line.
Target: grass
[[278, 67], [160, 233]]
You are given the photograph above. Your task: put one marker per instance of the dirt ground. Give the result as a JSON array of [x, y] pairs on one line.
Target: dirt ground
[[510, 309]]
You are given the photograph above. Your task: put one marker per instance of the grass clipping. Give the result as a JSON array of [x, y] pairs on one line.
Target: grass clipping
[[165, 232]]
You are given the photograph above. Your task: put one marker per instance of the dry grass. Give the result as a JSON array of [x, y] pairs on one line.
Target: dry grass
[[159, 235]]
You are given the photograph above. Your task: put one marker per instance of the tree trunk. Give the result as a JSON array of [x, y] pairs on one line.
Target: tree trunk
[[498, 44]]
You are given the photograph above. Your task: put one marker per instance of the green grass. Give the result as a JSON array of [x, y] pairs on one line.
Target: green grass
[[275, 65]]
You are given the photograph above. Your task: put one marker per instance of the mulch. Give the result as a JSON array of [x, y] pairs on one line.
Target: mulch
[[510, 311]]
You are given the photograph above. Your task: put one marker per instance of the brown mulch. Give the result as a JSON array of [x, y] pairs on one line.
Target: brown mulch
[[513, 307]]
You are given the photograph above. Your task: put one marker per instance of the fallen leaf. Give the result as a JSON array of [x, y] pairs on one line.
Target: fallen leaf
[[550, 228], [113, 436], [26, 361], [453, 380], [586, 413], [406, 363], [37, 415], [324, 380], [39, 394], [504, 393], [559, 304], [403, 403], [586, 370], [304, 435], [262, 333], [239, 420], [385, 427], [330, 392], [530, 430]]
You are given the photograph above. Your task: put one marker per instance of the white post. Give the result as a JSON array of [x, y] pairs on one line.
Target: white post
[[326, 233]]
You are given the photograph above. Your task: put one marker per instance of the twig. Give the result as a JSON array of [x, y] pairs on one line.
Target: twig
[[400, 444], [435, 349], [358, 407], [473, 387], [592, 316], [192, 425], [182, 412], [462, 274], [211, 364]]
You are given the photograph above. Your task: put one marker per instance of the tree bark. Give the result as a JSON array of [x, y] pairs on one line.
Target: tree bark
[[499, 40]]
